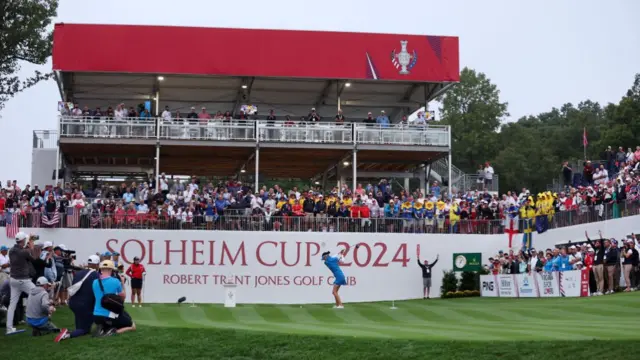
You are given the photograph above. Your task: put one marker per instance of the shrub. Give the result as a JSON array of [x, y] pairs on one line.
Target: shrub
[[469, 281], [449, 282]]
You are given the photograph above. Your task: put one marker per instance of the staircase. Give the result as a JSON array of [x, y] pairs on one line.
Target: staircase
[[460, 180]]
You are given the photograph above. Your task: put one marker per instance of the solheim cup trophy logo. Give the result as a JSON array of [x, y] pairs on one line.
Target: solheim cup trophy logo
[[404, 60]]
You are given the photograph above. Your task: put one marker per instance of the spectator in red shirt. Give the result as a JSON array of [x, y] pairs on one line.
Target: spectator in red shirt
[[587, 172], [136, 272], [2, 203]]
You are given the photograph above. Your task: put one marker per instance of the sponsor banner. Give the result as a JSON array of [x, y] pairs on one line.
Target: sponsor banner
[[548, 284], [285, 267], [526, 284], [568, 284], [272, 267], [467, 261], [506, 286], [488, 286], [572, 283], [584, 283]]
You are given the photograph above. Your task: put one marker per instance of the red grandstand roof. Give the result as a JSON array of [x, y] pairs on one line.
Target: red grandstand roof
[[249, 52]]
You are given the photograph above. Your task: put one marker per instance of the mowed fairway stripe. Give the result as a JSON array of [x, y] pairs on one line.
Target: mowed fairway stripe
[[403, 316], [147, 316], [468, 319], [273, 319]]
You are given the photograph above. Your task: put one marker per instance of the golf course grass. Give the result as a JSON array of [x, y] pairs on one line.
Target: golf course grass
[[473, 328]]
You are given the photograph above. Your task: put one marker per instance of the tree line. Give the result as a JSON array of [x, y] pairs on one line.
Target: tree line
[[529, 152]]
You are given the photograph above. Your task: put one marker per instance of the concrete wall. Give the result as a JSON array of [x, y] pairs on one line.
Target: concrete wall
[[42, 167]]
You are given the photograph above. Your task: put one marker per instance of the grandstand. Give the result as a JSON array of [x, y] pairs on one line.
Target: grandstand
[[361, 79]]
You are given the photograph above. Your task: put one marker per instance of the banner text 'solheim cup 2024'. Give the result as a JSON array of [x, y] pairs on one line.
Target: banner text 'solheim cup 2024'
[[286, 268]]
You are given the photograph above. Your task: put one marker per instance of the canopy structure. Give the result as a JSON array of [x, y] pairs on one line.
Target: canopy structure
[[221, 69], [289, 72]]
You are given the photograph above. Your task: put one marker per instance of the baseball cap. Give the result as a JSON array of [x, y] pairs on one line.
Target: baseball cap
[[107, 264], [3, 248], [47, 244], [136, 258], [42, 281], [106, 253], [93, 260], [21, 236], [62, 247]]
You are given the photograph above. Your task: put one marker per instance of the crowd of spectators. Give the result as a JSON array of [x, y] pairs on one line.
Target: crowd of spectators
[[375, 207], [203, 117], [607, 260]]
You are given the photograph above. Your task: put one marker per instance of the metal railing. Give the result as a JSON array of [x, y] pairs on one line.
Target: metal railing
[[207, 129], [124, 128], [45, 139], [433, 135], [305, 132], [260, 221], [267, 131]]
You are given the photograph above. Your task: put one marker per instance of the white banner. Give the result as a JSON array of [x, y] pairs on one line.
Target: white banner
[[571, 283], [273, 267], [285, 267], [568, 283], [526, 284], [548, 284], [506, 286], [488, 286]]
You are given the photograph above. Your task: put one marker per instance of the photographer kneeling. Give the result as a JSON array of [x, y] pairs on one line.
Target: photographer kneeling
[[82, 300], [108, 311], [40, 308]]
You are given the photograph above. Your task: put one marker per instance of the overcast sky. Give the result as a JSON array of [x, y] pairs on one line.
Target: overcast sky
[[540, 54]]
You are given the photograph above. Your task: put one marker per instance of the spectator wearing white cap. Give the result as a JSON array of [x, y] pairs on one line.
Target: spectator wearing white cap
[[382, 120], [20, 280], [50, 271], [40, 308], [313, 116], [82, 300]]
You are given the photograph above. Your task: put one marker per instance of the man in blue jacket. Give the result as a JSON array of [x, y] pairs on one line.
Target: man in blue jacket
[[562, 263], [83, 301]]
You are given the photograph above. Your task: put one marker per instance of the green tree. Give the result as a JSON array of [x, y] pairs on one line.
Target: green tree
[[475, 112], [623, 127], [25, 35]]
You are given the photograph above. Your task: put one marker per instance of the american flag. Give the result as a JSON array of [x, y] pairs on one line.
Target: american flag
[[73, 217], [36, 219], [585, 142], [51, 219], [12, 224]]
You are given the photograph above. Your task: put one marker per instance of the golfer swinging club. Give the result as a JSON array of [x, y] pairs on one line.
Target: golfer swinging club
[[333, 263]]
